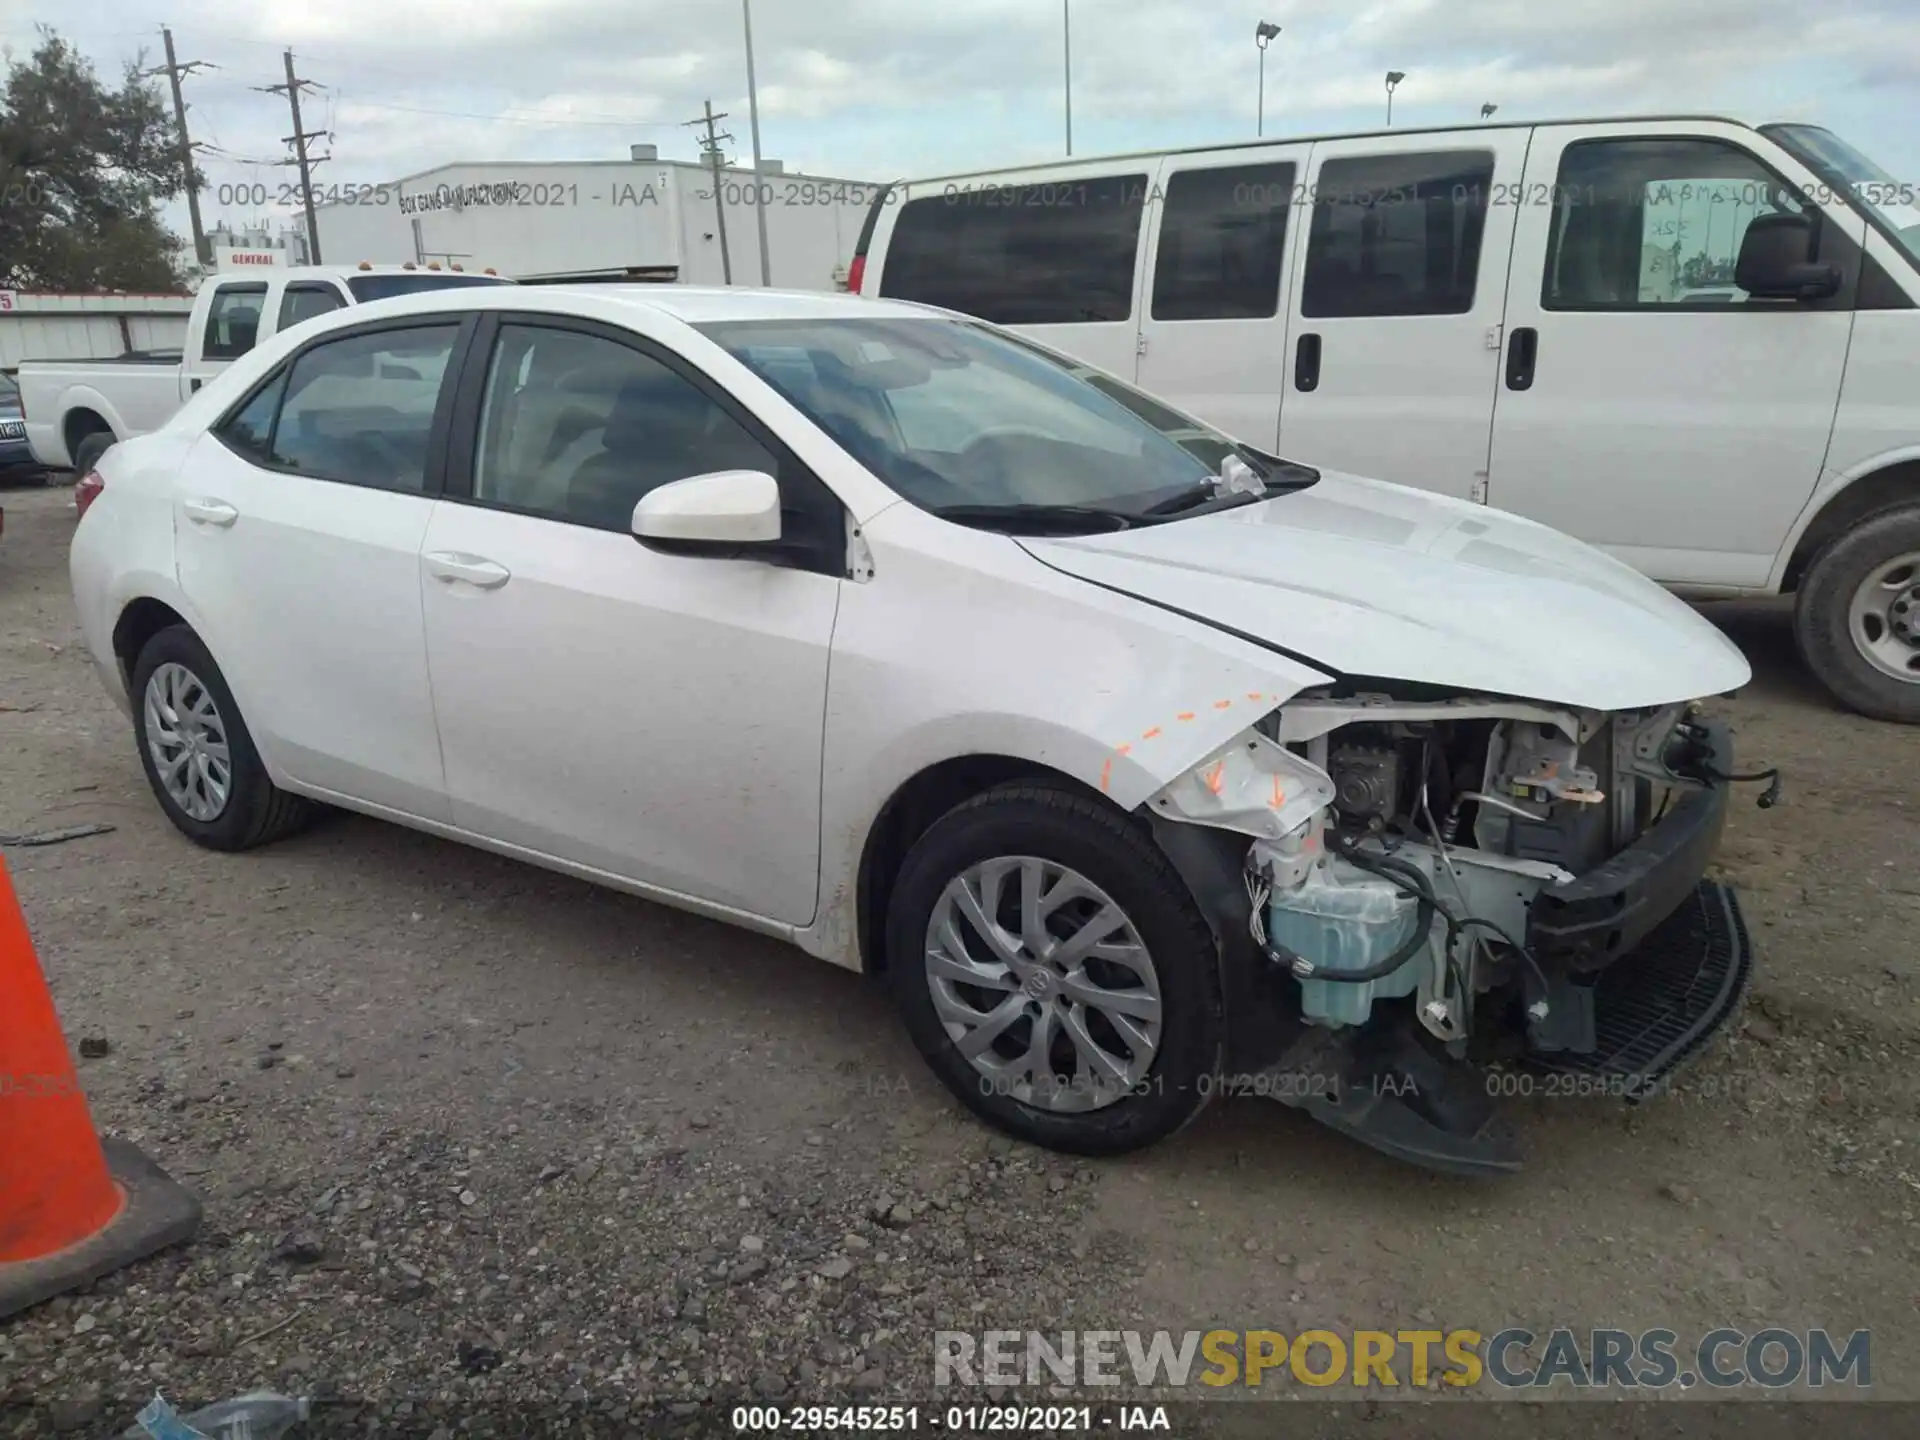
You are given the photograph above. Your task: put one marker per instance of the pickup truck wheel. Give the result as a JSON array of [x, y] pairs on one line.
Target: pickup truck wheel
[[87, 453], [197, 752], [1054, 972], [1857, 619]]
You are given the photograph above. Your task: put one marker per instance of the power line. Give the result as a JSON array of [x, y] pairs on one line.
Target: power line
[[710, 152]]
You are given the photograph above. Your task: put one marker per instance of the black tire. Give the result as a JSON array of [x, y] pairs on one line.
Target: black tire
[[1821, 626], [1076, 831], [87, 453], [256, 809]]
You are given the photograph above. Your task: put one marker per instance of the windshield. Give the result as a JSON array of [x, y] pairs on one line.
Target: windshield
[[385, 287], [957, 416], [1894, 204]]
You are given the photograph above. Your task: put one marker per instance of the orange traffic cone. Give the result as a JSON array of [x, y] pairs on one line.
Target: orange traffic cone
[[71, 1208]]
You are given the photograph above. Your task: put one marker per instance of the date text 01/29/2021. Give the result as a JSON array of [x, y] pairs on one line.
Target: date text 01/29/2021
[[538, 195], [950, 1419]]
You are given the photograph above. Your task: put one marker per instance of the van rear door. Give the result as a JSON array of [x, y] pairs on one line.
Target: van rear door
[[1054, 253], [1398, 288], [1213, 327]]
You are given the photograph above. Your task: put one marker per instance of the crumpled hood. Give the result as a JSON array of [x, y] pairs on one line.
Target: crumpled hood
[[1370, 579]]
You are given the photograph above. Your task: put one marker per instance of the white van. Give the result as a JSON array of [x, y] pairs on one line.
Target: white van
[[1689, 341]]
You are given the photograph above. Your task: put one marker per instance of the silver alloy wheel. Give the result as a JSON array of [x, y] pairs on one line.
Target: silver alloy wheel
[[1043, 983], [187, 739], [1884, 618]]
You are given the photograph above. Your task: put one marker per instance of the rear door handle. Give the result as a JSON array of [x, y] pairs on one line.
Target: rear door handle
[[210, 512], [1523, 348], [451, 565], [1306, 362]]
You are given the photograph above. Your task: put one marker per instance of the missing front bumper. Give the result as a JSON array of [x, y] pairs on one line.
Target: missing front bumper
[[1657, 1005]]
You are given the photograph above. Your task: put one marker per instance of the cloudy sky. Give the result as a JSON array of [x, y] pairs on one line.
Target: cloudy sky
[[876, 89]]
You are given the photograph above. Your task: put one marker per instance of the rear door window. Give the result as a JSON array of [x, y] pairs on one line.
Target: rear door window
[[306, 299], [233, 321], [1396, 234], [1058, 253], [360, 409]]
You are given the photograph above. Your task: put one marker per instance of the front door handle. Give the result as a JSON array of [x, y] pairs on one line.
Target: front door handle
[[210, 512], [451, 565], [1306, 362], [1523, 348]]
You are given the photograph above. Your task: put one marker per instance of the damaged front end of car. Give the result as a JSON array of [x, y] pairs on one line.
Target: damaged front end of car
[[1419, 899]]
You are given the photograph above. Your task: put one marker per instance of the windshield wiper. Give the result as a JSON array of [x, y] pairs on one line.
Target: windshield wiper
[[1062, 519]]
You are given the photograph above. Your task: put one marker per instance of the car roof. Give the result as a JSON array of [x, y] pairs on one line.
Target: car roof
[[700, 304], [689, 304]]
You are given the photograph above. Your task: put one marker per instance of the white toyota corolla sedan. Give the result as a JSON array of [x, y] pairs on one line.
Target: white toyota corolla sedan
[[1145, 766]]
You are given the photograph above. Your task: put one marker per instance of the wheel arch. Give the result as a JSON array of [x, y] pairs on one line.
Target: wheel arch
[[1868, 494], [138, 622], [80, 422], [911, 811]]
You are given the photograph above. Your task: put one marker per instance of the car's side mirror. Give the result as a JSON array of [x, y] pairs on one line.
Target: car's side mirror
[[721, 511], [1775, 261]]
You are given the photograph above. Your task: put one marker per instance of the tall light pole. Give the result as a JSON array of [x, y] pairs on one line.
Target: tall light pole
[[1066, 54], [1394, 77], [1264, 32], [753, 122]]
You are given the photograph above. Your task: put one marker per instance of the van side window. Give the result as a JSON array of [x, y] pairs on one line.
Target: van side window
[[233, 321], [1222, 235], [1397, 234], [1060, 253], [1645, 223]]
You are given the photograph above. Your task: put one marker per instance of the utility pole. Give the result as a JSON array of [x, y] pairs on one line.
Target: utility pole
[[299, 140], [173, 70], [753, 125], [710, 151], [1066, 62]]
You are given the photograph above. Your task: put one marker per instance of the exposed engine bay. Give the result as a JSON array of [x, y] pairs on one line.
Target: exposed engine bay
[[1468, 866]]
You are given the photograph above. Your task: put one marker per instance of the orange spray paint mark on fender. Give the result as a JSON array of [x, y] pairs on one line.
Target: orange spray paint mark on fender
[[1151, 734], [1217, 777], [1223, 704], [1106, 774], [1279, 794], [1184, 715]]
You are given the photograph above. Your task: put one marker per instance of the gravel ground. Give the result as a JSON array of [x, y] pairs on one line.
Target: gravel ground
[[476, 1138]]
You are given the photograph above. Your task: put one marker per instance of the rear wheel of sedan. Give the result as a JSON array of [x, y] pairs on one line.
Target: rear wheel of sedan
[[197, 752], [1054, 971]]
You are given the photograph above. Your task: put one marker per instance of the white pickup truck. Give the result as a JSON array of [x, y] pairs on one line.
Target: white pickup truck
[[76, 409]]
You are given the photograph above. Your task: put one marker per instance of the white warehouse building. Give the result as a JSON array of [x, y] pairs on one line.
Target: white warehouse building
[[642, 218]]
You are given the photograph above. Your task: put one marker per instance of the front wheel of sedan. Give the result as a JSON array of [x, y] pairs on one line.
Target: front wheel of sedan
[[1054, 971], [197, 752]]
